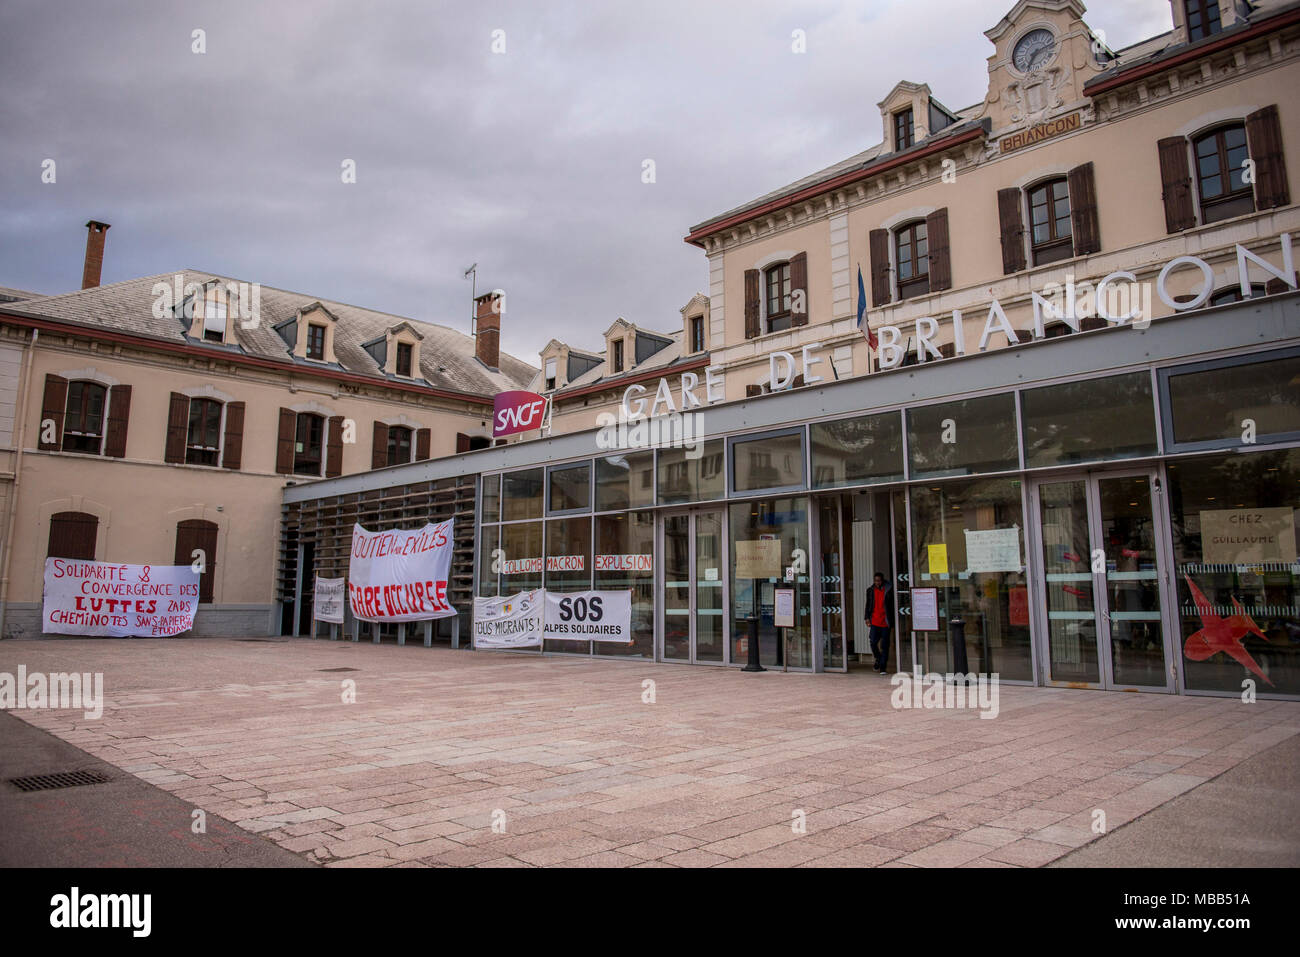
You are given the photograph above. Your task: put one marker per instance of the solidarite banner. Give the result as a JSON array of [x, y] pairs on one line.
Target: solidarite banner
[[400, 575], [118, 601]]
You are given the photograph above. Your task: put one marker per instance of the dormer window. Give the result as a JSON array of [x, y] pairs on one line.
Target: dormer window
[[404, 353], [316, 342], [214, 314], [616, 359], [697, 334], [1203, 18], [550, 375], [777, 284], [903, 129]]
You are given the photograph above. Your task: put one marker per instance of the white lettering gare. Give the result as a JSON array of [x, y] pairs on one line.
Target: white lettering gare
[[635, 402]]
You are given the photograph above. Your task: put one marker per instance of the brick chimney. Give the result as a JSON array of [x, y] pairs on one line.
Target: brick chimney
[[487, 326], [94, 253]]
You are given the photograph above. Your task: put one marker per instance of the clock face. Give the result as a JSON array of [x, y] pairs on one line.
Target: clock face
[[1034, 50]]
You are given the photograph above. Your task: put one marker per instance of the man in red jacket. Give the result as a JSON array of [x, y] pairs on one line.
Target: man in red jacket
[[880, 619]]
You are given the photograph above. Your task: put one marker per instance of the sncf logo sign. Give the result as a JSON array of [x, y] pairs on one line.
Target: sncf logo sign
[[516, 412]]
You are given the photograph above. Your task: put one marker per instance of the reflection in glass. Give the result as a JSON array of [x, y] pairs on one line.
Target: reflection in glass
[[625, 559], [1211, 405], [568, 568], [964, 437], [857, 451], [570, 488], [1071, 618], [709, 634], [683, 478], [626, 480], [784, 523], [767, 462], [521, 494], [677, 588], [1088, 421], [1132, 581]]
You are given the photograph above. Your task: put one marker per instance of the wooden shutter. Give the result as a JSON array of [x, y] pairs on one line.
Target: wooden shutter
[[752, 329], [1264, 137], [196, 533], [53, 405], [334, 447], [462, 442], [1012, 225], [878, 242], [178, 424], [119, 411], [285, 441], [799, 283], [1275, 285], [1176, 183], [379, 446], [72, 535], [752, 390], [936, 232], [422, 437], [232, 450], [1083, 210]]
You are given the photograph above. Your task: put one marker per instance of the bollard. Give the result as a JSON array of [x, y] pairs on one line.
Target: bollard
[[957, 637], [754, 663]]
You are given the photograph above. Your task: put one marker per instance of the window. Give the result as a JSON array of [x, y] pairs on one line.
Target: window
[[778, 297], [570, 488], [521, 497], [697, 334], [617, 360], [1206, 403], [963, 437], [203, 436], [316, 342], [1049, 218], [1090, 420], [625, 480], [1221, 173], [1202, 18], [72, 535], [399, 445], [686, 479], [1233, 294], [858, 451], [405, 351], [550, 374], [83, 423], [903, 129], [768, 461], [214, 315], [913, 259], [308, 444]]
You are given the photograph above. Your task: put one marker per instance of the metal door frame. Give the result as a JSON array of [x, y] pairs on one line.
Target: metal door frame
[[692, 516]]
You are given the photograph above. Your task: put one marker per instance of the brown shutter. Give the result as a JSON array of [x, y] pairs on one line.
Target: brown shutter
[[72, 535], [1176, 183], [422, 437], [53, 406], [178, 425], [878, 241], [1275, 285], [1264, 136], [462, 442], [752, 390], [196, 533], [119, 411], [752, 329], [379, 446], [1012, 225], [286, 441], [334, 447], [232, 450], [936, 233], [1083, 210], [798, 283]]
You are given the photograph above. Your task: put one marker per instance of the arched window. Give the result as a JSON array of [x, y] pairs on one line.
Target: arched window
[[399, 445], [1049, 218], [912, 259], [203, 433], [1221, 156], [309, 444], [1233, 294], [777, 284], [72, 535], [83, 422]]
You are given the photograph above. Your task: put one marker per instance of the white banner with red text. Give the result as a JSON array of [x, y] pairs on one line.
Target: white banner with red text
[[118, 601], [400, 575]]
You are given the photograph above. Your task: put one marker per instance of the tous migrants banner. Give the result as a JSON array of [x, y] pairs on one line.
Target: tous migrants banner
[[511, 622], [118, 601], [327, 602], [400, 575], [589, 616]]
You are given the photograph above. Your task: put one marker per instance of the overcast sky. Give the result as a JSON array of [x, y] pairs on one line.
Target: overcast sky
[[528, 162]]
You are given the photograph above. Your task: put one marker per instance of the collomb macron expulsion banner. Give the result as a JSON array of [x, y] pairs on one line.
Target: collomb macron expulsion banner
[[399, 575], [118, 601]]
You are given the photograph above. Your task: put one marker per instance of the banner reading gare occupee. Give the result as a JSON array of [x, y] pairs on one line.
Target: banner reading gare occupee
[[118, 601], [401, 575]]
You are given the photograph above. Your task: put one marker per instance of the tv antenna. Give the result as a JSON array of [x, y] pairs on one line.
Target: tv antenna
[[472, 274]]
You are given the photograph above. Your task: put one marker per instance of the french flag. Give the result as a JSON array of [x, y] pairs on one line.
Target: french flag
[[862, 313]]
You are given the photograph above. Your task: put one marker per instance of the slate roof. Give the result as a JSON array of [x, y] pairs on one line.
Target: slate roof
[[447, 359]]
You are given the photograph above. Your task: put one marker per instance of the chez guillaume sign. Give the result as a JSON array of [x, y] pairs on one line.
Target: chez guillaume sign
[[1120, 298]]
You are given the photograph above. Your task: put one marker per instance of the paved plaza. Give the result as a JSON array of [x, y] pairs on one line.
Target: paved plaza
[[455, 758]]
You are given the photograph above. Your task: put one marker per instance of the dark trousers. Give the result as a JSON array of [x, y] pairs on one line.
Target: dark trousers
[[880, 645]]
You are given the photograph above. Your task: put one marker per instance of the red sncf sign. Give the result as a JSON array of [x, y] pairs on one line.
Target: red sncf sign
[[516, 411]]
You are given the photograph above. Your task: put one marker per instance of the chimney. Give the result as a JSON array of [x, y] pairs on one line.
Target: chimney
[[94, 254], [487, 327]]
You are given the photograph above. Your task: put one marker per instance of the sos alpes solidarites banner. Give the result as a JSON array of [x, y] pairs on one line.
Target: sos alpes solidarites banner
[[111, 600], [399, 575]]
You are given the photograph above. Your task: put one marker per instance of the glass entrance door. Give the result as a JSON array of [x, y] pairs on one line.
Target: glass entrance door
[[694, 602], [1103, 608]]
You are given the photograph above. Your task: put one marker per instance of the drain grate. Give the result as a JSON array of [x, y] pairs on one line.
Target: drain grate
[[338, 669], [60, 779]]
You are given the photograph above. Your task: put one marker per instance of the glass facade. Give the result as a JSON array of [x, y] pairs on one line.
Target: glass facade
[[859, 451], [964, 437], [1089, 421]]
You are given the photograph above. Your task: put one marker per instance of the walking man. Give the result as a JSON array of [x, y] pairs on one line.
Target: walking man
[[880, 620]]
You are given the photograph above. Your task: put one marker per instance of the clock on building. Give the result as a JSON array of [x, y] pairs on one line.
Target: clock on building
[[1034, 50]]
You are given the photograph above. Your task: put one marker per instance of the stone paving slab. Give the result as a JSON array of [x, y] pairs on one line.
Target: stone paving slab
[[458, 758]]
